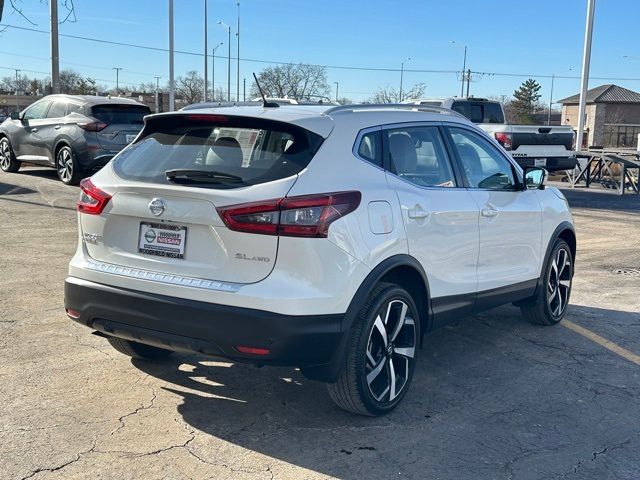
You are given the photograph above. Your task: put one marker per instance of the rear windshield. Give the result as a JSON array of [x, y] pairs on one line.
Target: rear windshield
[[479, 112], [220, 151], [120, 114]]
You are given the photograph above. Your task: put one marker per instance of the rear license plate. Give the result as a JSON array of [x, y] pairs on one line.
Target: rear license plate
[[162, 240], [130, 138], [540, 162]]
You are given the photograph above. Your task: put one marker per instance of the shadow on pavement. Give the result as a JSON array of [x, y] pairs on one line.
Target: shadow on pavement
[[9, 189], [492, 397], [594, 198]]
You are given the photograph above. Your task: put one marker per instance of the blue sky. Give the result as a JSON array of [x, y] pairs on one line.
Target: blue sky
[[534, 38]]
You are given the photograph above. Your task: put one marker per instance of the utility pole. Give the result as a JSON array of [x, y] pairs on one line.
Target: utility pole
[[172, 86], [17, 101], [584, 83], [244, 89], [157, 94], [55, 55], [402, 74], [468, 81], [464, 67], [336, 90], [117, 69], [228, 60], [238, 73], [206, 55], [553, 77]]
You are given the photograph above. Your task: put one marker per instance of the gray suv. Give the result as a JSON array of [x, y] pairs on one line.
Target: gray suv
[[75, 134]]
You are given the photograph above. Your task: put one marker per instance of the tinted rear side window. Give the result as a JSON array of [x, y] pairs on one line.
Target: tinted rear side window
[[120, 114], [254, 150], [58, 109]]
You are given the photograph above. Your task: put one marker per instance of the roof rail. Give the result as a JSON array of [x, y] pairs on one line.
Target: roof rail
[[391, 106]]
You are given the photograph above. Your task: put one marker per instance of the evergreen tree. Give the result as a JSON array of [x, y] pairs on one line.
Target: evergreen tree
[[526, 100]]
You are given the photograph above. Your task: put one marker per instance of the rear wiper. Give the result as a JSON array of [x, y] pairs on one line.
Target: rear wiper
[[185, 175]]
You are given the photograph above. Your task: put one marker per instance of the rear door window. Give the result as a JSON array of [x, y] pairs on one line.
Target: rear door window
[[479, 112], [220, 152], [120, 114], [57, 110]]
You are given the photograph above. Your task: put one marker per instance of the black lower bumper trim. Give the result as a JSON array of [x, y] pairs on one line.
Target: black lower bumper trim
[[206, 328]]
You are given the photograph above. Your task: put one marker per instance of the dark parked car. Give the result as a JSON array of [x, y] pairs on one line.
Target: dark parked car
[[75, 134]]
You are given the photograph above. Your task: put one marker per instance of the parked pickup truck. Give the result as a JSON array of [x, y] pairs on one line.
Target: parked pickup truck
[[545, 146]]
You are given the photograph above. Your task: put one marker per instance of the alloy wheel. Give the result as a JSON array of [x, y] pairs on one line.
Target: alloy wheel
[[65, 165], [391, 349], [559, 283], [5, 154]]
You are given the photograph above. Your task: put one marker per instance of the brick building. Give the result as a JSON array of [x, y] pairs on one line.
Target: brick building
[[612, 116]]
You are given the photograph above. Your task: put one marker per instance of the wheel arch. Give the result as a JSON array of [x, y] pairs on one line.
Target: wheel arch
[[566, 232], [403, 270], [400, 269], [62, 142]]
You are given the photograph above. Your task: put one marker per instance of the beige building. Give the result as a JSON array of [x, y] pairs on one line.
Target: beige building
[[612, 116]]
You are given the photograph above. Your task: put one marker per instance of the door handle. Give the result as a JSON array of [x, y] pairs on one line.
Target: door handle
[[489, 212], [417, 214], [57, 127], [34, 130]]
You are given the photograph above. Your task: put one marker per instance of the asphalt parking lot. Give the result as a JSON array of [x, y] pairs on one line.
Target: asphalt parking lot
[[493, 397]]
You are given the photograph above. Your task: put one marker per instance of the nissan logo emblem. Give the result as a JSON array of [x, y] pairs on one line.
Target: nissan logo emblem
[[157, 206]]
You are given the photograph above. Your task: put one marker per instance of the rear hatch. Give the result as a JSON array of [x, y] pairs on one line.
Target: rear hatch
[[123, 123], [158, 225]]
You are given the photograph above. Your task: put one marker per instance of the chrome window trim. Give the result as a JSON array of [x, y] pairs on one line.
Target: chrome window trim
[[166, 278]]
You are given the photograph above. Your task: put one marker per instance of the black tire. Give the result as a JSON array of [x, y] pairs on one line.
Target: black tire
[[67, 166], [359, 389], [8, 162], [138, 350], [549, 305]]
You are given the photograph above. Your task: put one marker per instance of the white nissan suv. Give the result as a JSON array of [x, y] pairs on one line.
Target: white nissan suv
[[329, 238]]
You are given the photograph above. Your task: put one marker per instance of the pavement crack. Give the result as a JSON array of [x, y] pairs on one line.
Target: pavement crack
[[139, 409]]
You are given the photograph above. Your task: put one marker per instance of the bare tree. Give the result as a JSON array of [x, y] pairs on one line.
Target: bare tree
[[296, 81], [8, 84], [190, 87], [68, 15], [388, 94]]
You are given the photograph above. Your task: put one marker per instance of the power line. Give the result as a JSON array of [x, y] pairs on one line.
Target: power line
[[336, 67]]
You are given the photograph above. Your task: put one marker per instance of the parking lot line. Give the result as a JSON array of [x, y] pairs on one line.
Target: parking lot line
[[617, 349]]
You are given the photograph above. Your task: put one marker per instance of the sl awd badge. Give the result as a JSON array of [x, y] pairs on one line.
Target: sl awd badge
[[157, 206]]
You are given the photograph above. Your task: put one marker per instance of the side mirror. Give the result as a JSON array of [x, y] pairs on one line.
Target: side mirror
[[535, 178], [15, 115]]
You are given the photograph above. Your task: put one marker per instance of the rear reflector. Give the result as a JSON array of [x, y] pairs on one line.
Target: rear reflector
[[253, 350], [303, 216], [92, 200], [72, 313], [207, 118]]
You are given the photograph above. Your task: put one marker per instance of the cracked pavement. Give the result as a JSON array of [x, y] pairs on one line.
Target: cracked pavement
[[493, 397]]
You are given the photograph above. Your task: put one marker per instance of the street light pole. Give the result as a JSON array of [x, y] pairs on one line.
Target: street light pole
[[213, 72], [206, 54], [172, 85], [584, 83], [157, 94], [336, 90], [228, 60], [17, 101], [117, 69], [55, 55], [238, 73], [402, 74]]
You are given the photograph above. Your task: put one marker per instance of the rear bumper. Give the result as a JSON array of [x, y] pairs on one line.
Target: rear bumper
[[551, 163], [206, 328]]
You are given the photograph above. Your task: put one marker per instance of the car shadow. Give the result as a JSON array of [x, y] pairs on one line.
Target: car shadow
[[10, 189], [597, 198], [482, 386], [42, 172]]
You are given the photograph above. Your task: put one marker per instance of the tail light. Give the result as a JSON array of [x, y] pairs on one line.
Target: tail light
[[92, 200], [504, 139], [93, 126], [303, 216]]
